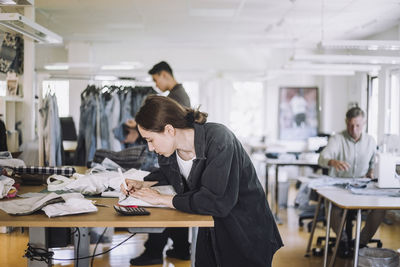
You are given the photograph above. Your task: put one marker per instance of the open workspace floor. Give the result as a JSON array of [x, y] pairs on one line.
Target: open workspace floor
[[13, 246]]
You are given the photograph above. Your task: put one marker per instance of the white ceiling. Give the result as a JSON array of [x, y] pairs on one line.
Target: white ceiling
[[200, 23], [196, 35]]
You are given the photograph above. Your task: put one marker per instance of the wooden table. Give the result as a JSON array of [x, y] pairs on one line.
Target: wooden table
[[275, 191], [105, 217], [346, 200]]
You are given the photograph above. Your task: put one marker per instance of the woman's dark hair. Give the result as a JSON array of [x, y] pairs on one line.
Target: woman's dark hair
[[158, 111]]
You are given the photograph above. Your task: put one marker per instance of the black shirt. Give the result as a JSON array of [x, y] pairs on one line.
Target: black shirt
[[179, 94]]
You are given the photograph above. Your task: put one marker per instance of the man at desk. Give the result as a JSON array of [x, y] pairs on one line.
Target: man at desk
[[350, 154]]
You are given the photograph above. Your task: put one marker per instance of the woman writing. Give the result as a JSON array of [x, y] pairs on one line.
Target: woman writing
[[212, 175]]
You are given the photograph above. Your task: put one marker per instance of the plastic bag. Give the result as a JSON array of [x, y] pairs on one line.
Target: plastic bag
[[378, 257]]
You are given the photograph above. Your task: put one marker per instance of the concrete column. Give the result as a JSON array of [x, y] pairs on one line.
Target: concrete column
[[28, 83]]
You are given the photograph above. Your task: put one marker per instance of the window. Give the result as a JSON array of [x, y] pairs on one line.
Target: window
[[393, 126], [3, 88], [192, 89], [61, 90], [247, 109], [372, 107]]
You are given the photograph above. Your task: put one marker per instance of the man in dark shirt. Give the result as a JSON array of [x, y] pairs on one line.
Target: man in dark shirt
[[164, 78]]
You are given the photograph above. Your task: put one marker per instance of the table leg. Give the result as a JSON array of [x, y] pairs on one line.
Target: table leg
[[266, 180], [195, 231], [38, 239], [338, 238], [81, 246], [328, 226], [357, 244], [314, 223], [277, 219]]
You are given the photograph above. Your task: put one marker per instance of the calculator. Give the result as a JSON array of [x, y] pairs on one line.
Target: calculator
[[131, 211]]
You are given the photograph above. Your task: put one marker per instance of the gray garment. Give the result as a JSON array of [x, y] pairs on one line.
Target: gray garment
[[179, 94], [359, 155]]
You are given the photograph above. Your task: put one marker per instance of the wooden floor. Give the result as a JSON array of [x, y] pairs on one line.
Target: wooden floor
[[292, 254]]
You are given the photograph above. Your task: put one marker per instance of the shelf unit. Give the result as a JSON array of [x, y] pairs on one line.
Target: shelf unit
[[11, 112]]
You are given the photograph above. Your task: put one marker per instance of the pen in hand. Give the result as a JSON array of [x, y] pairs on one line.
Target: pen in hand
[[124, 183]]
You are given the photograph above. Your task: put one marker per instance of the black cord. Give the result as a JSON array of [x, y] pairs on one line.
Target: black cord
[[40, 254], [97, 243]]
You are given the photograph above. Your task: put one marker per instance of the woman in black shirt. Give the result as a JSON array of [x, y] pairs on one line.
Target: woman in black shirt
[[222, 182]]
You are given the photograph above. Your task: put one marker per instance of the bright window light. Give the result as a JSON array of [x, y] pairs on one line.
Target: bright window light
[[247, 109], [61, 90], [3, 88], [192, 89], [394, 98], [373, 104]]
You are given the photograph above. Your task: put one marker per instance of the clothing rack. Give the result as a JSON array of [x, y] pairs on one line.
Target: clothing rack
[[103, 111]]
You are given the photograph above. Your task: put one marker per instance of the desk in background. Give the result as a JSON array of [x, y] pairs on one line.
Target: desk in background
[[348, 201], [274, 192]]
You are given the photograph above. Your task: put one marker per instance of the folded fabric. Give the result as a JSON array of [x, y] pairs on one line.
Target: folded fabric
[[92, 183], [74, 204], [28, 206], [13, 163], [66, 171], [106, 165], [373, 190], [132, 157], [6, 184], [5, 155]]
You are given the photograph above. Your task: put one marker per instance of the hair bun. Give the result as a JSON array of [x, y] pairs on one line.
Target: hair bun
[[190, 117]]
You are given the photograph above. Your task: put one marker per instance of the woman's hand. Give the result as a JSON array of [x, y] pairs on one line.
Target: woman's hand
[[132, 186], [131, 123], [153, 197]]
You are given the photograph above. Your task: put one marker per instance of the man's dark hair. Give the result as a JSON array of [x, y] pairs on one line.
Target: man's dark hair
[[162, 66], [354, 112]]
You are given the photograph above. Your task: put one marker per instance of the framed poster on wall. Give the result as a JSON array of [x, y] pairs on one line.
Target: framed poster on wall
[[298, 113]]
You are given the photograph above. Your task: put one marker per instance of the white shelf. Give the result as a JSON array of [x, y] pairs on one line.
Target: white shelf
[[13, 98]]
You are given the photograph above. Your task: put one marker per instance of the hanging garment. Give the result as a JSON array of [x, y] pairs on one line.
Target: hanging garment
[[3, 136], [102, 111], [51, 132]]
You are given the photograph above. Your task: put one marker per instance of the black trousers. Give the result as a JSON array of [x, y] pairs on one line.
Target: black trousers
[[157, 241]]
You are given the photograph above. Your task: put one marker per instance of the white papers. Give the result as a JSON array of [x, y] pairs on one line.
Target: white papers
[[131, 201]]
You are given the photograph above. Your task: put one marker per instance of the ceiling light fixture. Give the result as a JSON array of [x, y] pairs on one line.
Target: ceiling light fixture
[[347, 59], [105, 78], [274, 73], [362, 44], [56, 67], [26, 27], [351, 67], [16, 2], [117, 67]]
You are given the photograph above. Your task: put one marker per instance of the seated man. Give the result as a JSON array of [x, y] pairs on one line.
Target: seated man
[[350, 154]]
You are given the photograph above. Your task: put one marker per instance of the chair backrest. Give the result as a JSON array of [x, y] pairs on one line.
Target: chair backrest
[[68, 129]]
